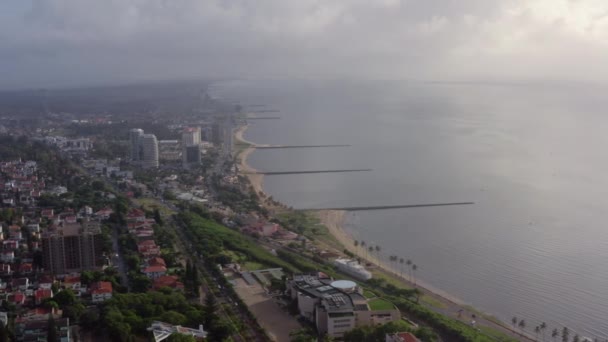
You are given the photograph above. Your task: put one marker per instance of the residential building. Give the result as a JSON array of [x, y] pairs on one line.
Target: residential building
[[72, 247], [401, 337], [37, 330], [155, 272], [101, 291]]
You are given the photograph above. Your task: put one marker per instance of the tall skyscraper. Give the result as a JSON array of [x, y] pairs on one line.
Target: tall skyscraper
[[191, 136], [134, 146], [143, 149], [149, 149], [72, 247], [191, 146]]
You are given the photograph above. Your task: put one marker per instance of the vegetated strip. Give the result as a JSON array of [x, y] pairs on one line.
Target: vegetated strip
[[383, 207], [311, 171], [262, 117], [297, 146]]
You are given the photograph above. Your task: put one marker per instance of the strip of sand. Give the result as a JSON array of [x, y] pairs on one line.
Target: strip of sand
[[256, 180]]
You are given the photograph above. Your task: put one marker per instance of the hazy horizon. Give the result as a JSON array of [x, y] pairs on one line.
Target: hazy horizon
[[69, 43]]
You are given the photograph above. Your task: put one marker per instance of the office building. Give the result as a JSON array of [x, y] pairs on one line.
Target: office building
[[191, 146], [143, 148], [169, 151], [191, 136], [192, 155], [72, 248], [149, 151], [336, 307]]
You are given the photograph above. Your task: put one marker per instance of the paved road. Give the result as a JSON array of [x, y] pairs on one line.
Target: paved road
[[118, 259]]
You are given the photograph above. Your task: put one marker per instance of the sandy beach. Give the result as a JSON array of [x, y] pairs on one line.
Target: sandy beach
[[256, 180]]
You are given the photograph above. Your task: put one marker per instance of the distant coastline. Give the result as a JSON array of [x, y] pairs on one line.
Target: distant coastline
[[334, 221]]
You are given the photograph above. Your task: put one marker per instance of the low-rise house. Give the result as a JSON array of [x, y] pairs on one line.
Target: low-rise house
[[401, 337], [17, 298], [148, 248], [37, 330], [170, 281], [45, 282], [47, 213], [72, 282], [26, 268], [154, 272], [14, 232], [20, 284], [101, 291], [5, 270], [42, 294], [104, 213]]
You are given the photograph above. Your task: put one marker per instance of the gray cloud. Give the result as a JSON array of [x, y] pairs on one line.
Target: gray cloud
[[55, 42]]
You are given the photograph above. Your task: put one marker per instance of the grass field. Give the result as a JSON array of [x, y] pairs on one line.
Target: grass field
[[380, 304], [369, 294]]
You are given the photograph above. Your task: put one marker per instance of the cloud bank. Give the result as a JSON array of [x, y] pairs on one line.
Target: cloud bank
[[57, 42]]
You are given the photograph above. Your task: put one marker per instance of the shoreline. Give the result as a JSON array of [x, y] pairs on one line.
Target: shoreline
[[256, 180], [334, 221]]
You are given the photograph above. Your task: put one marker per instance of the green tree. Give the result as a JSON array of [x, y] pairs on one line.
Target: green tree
[[543, 327], [3, 333], [209, 310], [554, 334], [522, 326], [180, 338], [302, 335], [157, 217], [51, 327]]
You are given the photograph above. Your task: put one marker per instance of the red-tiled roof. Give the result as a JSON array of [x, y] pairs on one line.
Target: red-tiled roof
[[156, 261], [41, 294], [168, 281], [155, 269], [101, 287]]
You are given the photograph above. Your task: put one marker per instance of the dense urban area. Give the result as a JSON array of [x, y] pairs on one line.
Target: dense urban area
[[126, 217]]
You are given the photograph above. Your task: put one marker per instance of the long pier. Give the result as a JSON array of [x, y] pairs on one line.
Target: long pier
[[271, 173], [384, 207], [262, 147]]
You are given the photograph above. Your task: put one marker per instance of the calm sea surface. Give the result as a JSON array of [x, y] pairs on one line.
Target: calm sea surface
[[534, 159]]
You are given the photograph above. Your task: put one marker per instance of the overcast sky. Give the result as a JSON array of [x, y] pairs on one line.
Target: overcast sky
[[72, 42]]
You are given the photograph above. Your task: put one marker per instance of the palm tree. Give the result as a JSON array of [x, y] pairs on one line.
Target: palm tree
[[537, 331], [362, 244], [554, 334], [414, 268], [565, 334], [356, 243], [378, 253], [522, 326], [401, 261], [543, 326], [576, 338], [409, 268], [370, 249], [514, 321]]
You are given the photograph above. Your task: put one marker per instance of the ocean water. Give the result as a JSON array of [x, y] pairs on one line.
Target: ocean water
[[533, 158]]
